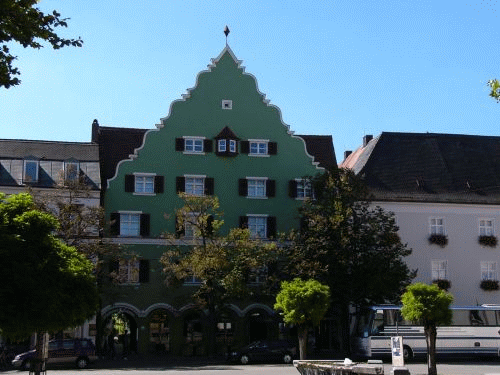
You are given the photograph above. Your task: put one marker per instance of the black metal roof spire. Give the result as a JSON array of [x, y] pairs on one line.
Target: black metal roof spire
[[226, 31]]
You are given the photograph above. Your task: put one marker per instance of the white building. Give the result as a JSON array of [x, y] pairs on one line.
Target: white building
[[445, 192]]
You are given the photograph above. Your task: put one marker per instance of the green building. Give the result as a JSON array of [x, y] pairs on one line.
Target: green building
[[222, 138]]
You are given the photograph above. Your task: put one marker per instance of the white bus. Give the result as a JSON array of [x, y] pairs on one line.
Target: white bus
[[475, 330]]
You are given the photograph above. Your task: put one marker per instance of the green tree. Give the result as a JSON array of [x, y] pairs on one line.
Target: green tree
[[224, 264], [303, 303], [431, 306], [350, 246], [22, 22], [495, 89], [80, 225], [45, 285]]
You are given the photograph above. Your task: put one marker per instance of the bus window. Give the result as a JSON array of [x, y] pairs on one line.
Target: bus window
[[378, 323], [476, 318]]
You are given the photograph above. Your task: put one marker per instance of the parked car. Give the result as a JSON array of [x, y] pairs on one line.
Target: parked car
[[265, 351], [79, 351]]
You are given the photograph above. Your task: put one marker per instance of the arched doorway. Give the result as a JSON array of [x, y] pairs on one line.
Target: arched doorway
[[226, 320], [259, 325], [159, 331], [193, 334], [120, 334]]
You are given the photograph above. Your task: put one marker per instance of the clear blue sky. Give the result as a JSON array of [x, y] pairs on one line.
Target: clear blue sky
[[340, 67]]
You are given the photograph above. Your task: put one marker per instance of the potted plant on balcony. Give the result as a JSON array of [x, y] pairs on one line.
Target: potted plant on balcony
[[488, 241], [438, 239], [489, 285], [442, 284]]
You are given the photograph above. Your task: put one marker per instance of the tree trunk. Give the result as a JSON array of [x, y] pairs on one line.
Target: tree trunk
[[302, 332], [345, 329], [42, 339], [430, 338]]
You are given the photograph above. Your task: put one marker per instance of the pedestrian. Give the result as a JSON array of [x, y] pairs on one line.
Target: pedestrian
[[111, 345], [126, 344]]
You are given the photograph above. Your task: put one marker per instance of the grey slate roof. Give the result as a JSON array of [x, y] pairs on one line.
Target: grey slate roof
[[430, 167], [51, 156]]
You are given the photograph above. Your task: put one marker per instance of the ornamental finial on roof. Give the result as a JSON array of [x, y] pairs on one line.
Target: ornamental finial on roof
[[226, 31]]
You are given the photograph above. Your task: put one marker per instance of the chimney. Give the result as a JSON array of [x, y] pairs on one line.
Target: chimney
[[95, 131], [367, 138], [346, 154]]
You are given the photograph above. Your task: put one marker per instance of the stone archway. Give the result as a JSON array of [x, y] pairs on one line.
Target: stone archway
[[120, 332], [159, 327]]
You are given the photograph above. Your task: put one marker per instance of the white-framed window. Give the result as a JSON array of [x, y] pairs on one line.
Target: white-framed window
[[256, 187], [227, 104], [232, 145], [437, 225], [30, 171], [194, 185], [192, 279], [222, 145], [129, 270], [486, 227], [304, 188], [193, 145], [130, 223], [258, 147], [258, 275], [71, 170], [257, 225], [489, 270], [144, 184], [439, 269]]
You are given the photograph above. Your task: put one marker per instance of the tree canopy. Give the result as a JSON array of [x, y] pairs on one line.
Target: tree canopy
[[45, 285], [349, 245], [23, 23], [223, 264], [303, 303], [429, 305], [495, 89]]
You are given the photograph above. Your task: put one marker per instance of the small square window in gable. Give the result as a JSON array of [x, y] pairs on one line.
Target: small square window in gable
[[227, 104]]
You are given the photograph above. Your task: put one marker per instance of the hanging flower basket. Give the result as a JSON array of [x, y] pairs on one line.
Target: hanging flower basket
[[489, 285], [488, 241], [438, 239], [442, 284]]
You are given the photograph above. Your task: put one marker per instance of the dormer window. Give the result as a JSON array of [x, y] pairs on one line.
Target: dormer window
[[71, 170], [227, 143], [30, 174]]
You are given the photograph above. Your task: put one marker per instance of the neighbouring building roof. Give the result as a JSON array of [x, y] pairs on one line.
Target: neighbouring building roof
[[430, 167], [51, 157]]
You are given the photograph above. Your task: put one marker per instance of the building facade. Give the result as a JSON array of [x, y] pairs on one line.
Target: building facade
[[444, 190], [47, 169], [223, 138]]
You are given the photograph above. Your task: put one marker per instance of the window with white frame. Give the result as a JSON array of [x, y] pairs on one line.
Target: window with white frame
[[222, 145], [257, 225], [258, 147], [439, 270], [129, 270], [256, 187], [304, 189], [30, 171], [258, 275], [486, 227], [232, 145], [437, 225], [144, 184], [192, 279], [195, 185], [489, 270], [130, 224], [193, 145], [227, 104], [71, 170]]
